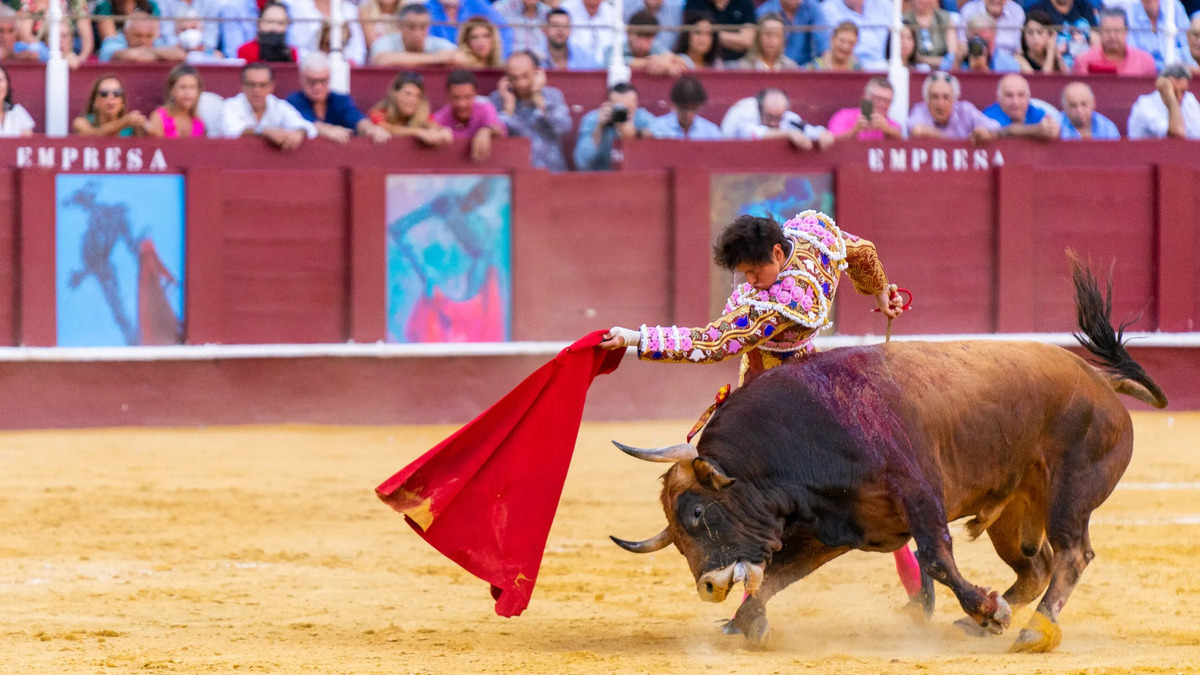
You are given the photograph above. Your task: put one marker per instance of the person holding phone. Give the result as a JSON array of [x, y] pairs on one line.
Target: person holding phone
[[531, 109], [868, 121]]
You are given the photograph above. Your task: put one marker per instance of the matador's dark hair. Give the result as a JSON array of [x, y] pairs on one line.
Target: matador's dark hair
[[748, 240]]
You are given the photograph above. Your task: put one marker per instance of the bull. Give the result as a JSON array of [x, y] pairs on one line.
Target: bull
[[863, 448]]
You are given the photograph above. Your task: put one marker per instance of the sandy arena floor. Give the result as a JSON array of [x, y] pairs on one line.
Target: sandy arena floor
[[265, 550]]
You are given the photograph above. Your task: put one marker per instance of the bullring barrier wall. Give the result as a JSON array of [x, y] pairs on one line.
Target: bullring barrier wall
[[290, 249]]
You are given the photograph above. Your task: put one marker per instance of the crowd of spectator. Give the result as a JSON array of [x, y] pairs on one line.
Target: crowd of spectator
[[667, 38]]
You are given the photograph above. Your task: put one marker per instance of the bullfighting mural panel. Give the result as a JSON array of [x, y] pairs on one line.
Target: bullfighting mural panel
[[449, 260], [119, 259], [780, 195]]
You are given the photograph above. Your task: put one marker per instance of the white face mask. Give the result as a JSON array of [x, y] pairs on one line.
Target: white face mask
[[191, 38]]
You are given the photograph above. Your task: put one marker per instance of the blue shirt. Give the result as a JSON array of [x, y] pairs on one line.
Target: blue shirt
[[1103, 128], [117, 43], [802, 46], [667, 126], [1140, 34], [1033, 115], [577, 59], [669, 15], [340, 109], [592, 157], [466, 10]]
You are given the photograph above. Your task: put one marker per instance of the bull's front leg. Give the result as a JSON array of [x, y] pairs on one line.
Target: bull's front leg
[[936, 555], [796, 560]]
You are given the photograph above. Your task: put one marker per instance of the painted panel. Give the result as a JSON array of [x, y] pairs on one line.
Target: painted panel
[[119, 260], [449, 258]]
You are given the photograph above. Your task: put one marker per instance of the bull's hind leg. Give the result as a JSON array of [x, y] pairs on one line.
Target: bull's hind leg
[[935, 551], [1019, 539], [1089, 473]]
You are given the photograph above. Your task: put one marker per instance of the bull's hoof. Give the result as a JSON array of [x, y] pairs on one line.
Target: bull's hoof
[[916, 610], [1039, 635], [759, 632], [728, 627], [971, 628]]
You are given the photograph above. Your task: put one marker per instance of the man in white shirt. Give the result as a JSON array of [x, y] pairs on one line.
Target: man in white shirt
[[769, 115], [591, 26], [1170, 112], [258, 112]]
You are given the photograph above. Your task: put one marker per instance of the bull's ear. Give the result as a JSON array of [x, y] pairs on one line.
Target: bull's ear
[[710, 475]]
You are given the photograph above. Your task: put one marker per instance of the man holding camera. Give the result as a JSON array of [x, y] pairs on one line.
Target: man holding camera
[[982, 55], [617, 118], [769, 114], [869, 121]]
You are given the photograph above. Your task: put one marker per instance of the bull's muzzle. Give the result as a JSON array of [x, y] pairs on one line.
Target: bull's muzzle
[[714, 586]]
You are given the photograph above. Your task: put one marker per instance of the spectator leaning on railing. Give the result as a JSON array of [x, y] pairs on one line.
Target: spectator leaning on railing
[[868, 121], [618, 117], [683, 121], [769, 115], [1017, 117], [336, 116], [405, 112], [1079, 119], [106, 12], [258, 112], [530, 109], [1171, 111], [179, 115], [943, 115], [106, 112], [469, 115], [14, 119]]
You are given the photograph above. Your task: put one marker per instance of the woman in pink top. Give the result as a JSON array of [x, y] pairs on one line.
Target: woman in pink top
[[178, 116]]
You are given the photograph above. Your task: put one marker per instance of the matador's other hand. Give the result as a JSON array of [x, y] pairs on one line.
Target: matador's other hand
[[617, 338]]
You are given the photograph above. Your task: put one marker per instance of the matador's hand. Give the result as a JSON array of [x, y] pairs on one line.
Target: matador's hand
[[890, 302], [617, 338]]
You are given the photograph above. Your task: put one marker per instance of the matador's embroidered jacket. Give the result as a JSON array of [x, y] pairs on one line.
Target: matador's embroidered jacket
[[768, 327]]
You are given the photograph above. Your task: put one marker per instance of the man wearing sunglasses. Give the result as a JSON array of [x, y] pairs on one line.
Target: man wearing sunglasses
[[336, 116]]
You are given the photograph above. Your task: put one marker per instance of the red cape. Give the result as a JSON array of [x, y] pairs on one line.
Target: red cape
[[485, 497]]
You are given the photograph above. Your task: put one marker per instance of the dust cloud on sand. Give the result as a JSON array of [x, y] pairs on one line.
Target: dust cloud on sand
[[265, 550]]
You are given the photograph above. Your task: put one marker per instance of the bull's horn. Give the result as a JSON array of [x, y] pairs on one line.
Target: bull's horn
[[655, 543], [674, 453]]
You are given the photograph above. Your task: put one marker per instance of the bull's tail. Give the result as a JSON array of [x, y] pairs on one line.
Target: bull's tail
[[1093, 312]]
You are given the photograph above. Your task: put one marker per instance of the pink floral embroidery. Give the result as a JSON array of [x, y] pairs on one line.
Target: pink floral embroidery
[[806, 299], [686, 343], [784, 297], [733, 346], [788, 283], [713, 334], [763, 296]]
